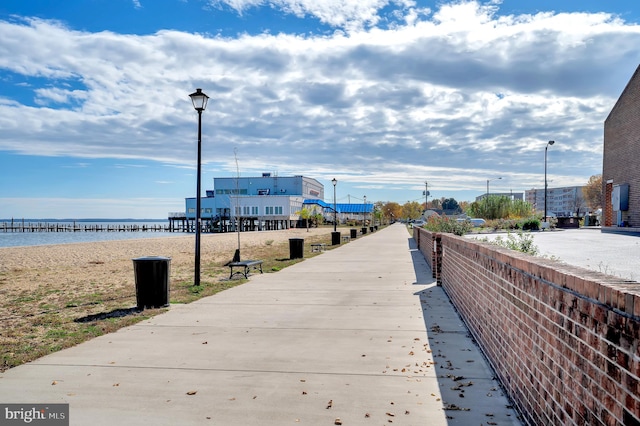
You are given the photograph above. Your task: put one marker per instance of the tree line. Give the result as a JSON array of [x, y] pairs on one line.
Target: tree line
[[491, 207]]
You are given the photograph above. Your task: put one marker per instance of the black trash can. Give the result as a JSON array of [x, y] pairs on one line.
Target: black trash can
[[335, 238], [364, 230], [152, 281], [354, 234], [371, 228], [296, 248]]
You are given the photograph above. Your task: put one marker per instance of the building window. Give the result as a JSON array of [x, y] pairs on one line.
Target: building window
[[232, 191], [268, 210], [254, 211], [192, 209], [246, 210], [279, 210]]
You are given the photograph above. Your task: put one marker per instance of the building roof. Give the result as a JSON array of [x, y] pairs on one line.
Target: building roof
[[342, 207], [318, 202], [354, 208]]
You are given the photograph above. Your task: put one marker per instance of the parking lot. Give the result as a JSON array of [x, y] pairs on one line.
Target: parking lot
[[613, 254]]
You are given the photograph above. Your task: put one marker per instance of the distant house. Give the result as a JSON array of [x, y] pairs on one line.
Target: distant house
[[621, 161]]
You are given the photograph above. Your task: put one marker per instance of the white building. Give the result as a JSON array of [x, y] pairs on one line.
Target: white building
[[562, 202], [253, 203]]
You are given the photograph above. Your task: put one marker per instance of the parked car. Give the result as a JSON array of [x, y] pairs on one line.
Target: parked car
[[476, 222], [419, 223]]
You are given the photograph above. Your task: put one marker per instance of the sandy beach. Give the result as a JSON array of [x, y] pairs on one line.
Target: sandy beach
[[45, 286], [110, 262]]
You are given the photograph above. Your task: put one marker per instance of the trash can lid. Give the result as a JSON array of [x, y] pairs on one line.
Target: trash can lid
[[150, 258]]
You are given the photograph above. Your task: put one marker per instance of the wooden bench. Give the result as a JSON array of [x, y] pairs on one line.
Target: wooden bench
[[318, 247], [246, 266]]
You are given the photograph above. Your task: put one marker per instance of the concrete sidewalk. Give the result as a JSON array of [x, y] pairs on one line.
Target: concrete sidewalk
[[359, 333]]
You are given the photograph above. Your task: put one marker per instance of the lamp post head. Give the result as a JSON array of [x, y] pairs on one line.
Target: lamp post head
[[551, 142], [334, 181], [199, 99]]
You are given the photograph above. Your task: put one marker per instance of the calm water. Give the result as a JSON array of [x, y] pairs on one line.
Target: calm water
[[18, 239]]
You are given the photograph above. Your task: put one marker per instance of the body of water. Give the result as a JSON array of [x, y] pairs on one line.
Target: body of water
[[20, 239]]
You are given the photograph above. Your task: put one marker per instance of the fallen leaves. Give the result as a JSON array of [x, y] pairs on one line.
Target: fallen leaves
[[193, 392], [454, 407]]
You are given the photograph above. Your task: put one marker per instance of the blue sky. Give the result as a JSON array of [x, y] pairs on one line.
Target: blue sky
[[383, 95]]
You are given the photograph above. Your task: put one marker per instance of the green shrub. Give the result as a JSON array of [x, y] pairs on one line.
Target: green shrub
[[451, 226], [522, 243], [499, 207], [508, 224], [530, 224]]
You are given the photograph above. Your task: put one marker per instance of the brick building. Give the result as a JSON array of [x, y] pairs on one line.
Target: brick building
[[621, 161]]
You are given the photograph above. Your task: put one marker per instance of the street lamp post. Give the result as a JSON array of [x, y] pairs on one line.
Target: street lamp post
[[334, 181], [199, 100], [545, 178], [364, 213], [489, 180], [426, 195]]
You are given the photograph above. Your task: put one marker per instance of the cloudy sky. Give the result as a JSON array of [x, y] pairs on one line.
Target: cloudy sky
[[383, 95]]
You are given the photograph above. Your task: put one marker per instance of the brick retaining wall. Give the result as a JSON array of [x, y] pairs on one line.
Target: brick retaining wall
[[563, 340]]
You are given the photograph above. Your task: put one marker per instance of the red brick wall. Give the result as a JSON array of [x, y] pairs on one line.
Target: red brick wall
[[621, 155], [608, 208], [563, 340], [426, 242]]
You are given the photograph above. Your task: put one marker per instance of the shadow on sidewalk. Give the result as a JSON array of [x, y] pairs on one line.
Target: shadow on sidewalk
[[469, 390], [424, 276]]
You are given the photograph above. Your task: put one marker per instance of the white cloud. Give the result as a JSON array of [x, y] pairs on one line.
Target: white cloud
[[451, 98], [336, 13]]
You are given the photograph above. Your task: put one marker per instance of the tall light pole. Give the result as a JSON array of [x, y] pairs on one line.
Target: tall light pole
[[489, 180], [334, 181], [426, 195], [545, 177], [364, 214], [199, 100]]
